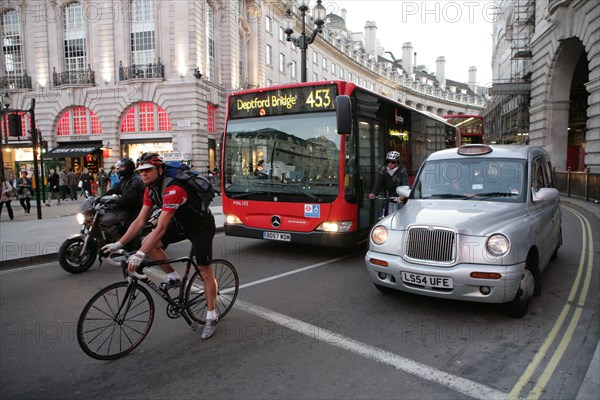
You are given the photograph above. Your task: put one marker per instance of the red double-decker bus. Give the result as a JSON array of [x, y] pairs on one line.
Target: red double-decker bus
[[470, 127], [299, 161]]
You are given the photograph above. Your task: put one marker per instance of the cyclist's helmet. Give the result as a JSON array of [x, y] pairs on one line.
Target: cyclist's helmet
[[392, 156], [150, 160], [125, 167]]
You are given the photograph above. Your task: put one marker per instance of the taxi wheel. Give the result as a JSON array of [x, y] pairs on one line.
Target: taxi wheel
[[518, 307]]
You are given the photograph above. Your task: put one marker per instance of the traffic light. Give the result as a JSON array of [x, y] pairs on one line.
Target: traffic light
[[14, 125], [44, 146]]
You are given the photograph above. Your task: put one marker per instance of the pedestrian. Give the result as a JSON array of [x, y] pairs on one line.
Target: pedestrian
[[102, 180], [24, 191], [86, 183], [54, 192], [72, 183], [8, 192], [62, 183], [113, 176]]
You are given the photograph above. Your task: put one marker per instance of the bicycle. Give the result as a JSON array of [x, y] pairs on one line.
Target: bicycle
[[118, 318], [385, 207]]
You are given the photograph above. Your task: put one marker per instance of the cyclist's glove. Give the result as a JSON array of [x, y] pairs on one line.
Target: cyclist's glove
[[112, 247], [135, 260]]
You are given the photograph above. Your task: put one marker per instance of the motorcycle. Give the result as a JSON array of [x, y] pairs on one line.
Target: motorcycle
[[101, 223]]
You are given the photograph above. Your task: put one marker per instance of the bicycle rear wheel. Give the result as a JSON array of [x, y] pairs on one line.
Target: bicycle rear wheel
[[115, 321], [228, 285]]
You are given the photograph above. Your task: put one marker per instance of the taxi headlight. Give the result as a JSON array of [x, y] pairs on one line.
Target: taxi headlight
[[333, 226], [498, 245], [80, 218], [231, 219], [379, 234]]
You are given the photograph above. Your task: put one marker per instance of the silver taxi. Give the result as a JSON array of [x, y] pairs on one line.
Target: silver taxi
[[481, 223]]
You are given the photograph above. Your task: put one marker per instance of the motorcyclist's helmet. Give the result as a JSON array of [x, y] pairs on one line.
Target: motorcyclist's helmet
[[150, 160], [392, 156], [125, 167]]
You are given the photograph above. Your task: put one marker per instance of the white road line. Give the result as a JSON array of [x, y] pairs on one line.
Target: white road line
[[411, 367], [21, 269]]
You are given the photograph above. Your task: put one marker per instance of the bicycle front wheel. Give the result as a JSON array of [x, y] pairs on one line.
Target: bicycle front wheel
[[228, 285], [115, 321]]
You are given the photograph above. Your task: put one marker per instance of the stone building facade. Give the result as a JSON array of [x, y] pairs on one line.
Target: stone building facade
[[116, 78], [547, 79]]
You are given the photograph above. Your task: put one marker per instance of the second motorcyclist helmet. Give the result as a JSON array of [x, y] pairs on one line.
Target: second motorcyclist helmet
[[125, 167], [392, 156]]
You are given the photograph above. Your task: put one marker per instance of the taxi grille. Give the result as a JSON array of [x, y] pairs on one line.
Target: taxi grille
[[430, 244]]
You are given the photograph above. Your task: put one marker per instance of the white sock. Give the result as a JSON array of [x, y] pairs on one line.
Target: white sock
[[173, 275], [211, 315]]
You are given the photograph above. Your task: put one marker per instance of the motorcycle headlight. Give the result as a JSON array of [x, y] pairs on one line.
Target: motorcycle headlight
[[80, 218]]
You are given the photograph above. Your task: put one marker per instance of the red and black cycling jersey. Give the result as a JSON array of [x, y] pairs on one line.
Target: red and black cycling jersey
[[174, 198]]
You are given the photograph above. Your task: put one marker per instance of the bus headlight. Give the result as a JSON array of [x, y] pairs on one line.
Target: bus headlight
[[379, 234], [333, 226], [498, 245], [231, 219]]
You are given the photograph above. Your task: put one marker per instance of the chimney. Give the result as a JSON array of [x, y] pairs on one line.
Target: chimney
[[343, 12], [473, 79], [371, 37], [407, 60], [440, 70]]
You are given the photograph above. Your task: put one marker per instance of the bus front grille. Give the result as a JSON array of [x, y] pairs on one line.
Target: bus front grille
[[431, 244]]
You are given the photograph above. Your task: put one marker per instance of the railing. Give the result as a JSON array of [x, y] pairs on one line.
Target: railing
[[141, 71], [14, 82], [585, 185], [75, 77]]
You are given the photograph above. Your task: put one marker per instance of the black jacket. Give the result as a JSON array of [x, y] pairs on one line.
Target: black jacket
[[388, 182], [131, 192]]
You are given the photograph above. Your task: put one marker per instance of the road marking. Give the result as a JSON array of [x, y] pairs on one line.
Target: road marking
[[537, 391], [456, 383], [20, 269]]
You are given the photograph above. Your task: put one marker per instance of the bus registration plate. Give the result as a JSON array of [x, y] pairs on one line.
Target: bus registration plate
[[428, 281], [285, 237]]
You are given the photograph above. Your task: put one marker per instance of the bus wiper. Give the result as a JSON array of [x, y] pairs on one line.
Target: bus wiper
[[491, 194], [246, 194], [299, 190]]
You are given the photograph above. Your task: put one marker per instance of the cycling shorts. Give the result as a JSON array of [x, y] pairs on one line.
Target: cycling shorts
[[201, 239]]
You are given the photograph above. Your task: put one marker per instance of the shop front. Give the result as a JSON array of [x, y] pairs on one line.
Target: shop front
[[135, 148], [75, 156]]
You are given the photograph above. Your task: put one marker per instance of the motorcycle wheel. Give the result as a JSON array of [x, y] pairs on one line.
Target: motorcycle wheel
[[69, 259]]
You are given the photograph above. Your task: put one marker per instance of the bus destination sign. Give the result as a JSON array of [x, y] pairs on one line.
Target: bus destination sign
[[283, 101]]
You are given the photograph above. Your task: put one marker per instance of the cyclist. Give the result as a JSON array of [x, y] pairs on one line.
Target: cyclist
[[389, 177], [130, 189], [178, 220]]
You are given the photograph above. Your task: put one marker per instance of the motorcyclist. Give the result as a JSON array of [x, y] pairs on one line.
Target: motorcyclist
[[390, 176], [129, 188]]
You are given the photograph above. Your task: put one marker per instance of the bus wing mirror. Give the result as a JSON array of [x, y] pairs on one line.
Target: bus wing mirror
[[343, 105]]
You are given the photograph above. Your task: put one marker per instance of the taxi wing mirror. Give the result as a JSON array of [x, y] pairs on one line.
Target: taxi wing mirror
[[403, 191], [544, 194]]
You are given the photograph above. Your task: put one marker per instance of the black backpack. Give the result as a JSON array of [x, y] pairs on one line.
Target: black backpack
[[194, 183]]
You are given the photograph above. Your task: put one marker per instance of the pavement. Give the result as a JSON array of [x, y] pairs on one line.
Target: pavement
[[27, 240]]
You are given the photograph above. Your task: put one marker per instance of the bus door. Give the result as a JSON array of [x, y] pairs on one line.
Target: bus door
[[371, 155]]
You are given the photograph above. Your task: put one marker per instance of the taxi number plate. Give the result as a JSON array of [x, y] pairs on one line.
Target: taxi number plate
[[285, 237], [428, 281]]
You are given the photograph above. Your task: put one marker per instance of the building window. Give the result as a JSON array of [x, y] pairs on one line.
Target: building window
[[315, 57], [294, 68], [342, 73], [349, 76], [75, 52], [210, 42], [333, 68], [315, 77], [268, 55], [145, 117], [143, 36], [210, 122], [79, 121], [11, 43], [324, 61], [281, 62], [268, 24], [281, 34]]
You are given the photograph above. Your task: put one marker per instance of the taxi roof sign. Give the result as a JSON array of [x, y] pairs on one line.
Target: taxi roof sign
[[474, 150]]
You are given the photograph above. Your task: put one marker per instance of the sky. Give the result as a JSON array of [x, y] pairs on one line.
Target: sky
[[459, 30]]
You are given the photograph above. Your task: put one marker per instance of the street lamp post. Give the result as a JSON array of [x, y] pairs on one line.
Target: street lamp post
[[4, 105], [303, 41]]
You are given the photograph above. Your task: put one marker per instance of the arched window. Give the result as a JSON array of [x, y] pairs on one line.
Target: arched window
[[12, 43], [145, 117], [78, 121], [74, 35]]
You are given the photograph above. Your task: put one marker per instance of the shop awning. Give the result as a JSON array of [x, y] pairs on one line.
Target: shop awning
[[72, 150]]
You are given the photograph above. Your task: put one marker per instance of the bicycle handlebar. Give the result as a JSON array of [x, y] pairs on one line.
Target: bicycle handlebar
[[137, 273]]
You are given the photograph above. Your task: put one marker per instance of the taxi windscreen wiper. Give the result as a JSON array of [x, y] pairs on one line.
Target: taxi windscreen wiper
[[491, 194], [444, 196]]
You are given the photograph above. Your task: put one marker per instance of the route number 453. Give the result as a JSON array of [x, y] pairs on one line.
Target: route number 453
[[319, 98]]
